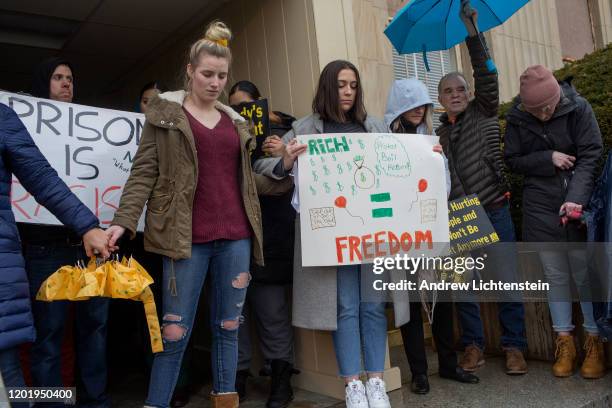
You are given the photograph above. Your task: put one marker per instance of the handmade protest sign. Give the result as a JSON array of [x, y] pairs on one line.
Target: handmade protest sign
[[256, 113], [91, 149], [470, 228], [367, 195]]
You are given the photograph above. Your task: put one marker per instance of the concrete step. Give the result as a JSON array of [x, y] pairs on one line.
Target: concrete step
[[536, 389]]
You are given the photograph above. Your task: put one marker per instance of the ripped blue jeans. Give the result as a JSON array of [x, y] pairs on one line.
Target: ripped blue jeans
[[228, 264]]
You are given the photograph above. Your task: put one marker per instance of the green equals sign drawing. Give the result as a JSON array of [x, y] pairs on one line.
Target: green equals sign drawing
[[381, 212]]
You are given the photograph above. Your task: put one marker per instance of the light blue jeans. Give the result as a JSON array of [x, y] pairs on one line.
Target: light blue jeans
[[228, 263], [558, 267], [362, 327]]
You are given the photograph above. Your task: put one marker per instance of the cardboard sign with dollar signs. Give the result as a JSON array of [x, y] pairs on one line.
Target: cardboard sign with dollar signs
[[367, 195]]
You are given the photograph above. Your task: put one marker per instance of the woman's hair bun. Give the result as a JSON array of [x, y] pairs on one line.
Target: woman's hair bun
[[218, 32]]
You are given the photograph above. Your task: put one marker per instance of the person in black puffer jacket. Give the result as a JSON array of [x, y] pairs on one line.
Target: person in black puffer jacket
[[553, 140], [268, 300], [470, 137]]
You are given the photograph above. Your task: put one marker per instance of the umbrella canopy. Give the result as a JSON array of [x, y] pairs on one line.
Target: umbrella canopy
[[433, 25], [124, 280]]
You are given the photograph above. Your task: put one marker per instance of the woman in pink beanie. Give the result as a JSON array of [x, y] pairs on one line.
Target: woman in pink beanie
[[553, 140]]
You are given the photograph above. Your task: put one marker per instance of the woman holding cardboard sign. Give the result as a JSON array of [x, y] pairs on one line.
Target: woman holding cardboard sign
[[203, 215], [330, 298], [267, 303], [410, 111]]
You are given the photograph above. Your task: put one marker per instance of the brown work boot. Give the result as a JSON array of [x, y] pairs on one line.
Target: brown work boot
[[515, 362], [565, 356], [593, 366], [472, 358], [227, 400]]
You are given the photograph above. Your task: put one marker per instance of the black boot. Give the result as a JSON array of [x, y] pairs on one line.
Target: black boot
[[281, 393], [419, 384], [241, 380]]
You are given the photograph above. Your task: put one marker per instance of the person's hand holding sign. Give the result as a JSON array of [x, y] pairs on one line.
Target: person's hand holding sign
[[273, 146], [292, 151]]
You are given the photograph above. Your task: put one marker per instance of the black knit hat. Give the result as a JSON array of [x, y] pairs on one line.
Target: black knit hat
[[42, 75]]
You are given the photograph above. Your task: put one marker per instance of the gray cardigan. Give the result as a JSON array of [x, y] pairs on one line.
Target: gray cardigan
[[315, 288]]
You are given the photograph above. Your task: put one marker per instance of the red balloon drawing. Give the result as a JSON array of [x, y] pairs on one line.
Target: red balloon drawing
[[422, 185], [340, 202]]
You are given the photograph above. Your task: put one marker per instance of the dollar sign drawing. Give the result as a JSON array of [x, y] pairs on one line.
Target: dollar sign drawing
[[349, 166], [377, 183], [314, 176], [312, 162], [334, 157], [363, 178], [313, 191], [377, 170], [340, 171], [340, 186], [322, 159], [353, 190], [326, 187], [326, 170], [361, 144]]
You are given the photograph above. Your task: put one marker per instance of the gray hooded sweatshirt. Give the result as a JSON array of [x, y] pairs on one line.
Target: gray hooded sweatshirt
[[407, 94]]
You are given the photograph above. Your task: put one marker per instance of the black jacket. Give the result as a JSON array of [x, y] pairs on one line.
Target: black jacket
[[528, 148], [278, 223], [473, 144]]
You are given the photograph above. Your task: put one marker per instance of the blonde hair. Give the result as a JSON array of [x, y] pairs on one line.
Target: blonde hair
[[398, 127], [215, 42]]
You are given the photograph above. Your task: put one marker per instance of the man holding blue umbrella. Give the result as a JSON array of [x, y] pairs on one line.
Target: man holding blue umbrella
[[470, 137]]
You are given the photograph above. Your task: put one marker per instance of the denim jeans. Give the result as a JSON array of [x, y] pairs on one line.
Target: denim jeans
[[10, 368], [558, 267], [49, 320], [362, 327], [502, 265], [228, 263]]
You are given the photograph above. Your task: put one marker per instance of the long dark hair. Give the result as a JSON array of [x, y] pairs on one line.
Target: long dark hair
[[247, 87], [326, 101]]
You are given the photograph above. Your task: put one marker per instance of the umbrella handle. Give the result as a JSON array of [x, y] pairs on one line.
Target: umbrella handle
[[465, 5]]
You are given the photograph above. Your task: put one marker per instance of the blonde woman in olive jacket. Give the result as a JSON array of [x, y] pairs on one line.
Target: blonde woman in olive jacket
[[193, 170]]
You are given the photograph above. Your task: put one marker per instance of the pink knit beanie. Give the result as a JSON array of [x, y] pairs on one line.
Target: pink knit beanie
[[539, 88]]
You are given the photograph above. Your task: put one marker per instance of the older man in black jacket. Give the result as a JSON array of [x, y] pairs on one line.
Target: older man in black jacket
[[470, 137]]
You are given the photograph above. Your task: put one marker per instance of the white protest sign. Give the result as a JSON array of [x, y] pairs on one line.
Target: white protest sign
[[367, 195], [90, 148]]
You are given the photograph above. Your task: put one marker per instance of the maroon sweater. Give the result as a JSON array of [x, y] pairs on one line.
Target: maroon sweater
[[218, 209]]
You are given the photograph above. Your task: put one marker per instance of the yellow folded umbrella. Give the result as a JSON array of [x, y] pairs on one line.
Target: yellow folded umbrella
[[123, 280]]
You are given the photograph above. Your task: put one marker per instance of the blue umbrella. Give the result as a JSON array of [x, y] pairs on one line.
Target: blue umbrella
[[433, 25]]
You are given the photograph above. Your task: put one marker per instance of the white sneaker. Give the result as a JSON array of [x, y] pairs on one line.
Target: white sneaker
[[356, 395], [377, 393]]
